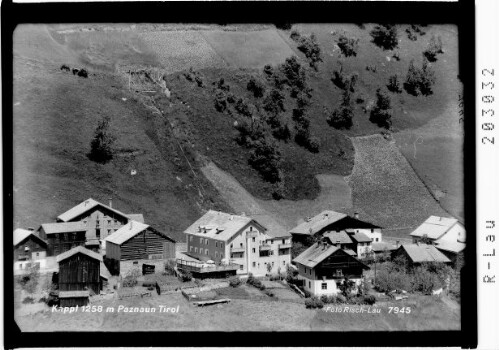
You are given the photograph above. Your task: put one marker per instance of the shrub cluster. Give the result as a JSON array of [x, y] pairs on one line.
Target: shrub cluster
[[310, 47], [186, 276], [235, 281], [170, 267], [381, 113], [343, 81], [265, 157], [314, 303], [28, 300], [29, 281], [255, 282], [341, 117], [419, 80], [130, 279], [101, 146], [413, 30], [348, 46], [192, 75], [385, 36], [434, 48], [394, 84], [256, 87]]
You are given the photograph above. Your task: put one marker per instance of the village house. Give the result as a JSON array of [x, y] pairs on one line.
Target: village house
[[419, 253], [355, 243], [437, 228], [384, 250], [64, 236], [331, 221], [137, 243], [238, 240], [324, 266], [101, 220], [79, 275], [28, 249]]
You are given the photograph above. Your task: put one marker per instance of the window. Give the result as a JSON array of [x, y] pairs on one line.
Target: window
[[251, 228], [190, 238], [206, 241], [37, 254], [216, 254], [241, 245], [195, 249], [253, 239], [309, 285], [323, 286], [283, 241], [216, 244], [254, 264], [254, 250], [190, 248], [272, 264], [372, 230], [201, 240], [272, 242], [377, 239], [241, 267], [206, 251], [109, 222], [221, 256], [283, 263], [339, 272], [135, 262], [231, 245]]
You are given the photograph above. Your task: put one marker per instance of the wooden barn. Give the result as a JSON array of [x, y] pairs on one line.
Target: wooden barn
[[79, 270], [63, 236], [137, 241]]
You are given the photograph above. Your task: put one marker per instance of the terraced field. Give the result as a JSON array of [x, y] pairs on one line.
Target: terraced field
[[385, 188]]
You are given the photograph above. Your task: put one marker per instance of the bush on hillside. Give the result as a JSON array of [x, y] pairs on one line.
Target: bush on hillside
[[101, 146], [348, 46], [249, 132], [221, 85], [424, 281], [273, 102], [381, 113], [266, 158], [394, 84], [434, 48], [341, 117], [293, 73], [282, 132], [387, 281], [309, 46], [83, 73], [256, 87], [243, 107], [385, 36], [220, 101], [420, 81], [369, 299]]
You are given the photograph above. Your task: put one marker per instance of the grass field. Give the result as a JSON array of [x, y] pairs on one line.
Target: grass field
[[386, 189], [252, 49], [240, 315]]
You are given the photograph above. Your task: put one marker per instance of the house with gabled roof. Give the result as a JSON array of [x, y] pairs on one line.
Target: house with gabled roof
[[452, 250], [323, 267], [28, 248], [101, 220], [440, 228], [238, 240], [352, 241], [63, 236], [331, 221], [419, 253], [136, 243]]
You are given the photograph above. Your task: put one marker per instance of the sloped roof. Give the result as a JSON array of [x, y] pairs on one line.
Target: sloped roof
[[434, 227], [77, 250], [338, 237], [382, 246], [318, 222], [136, 217], [449, 246], [419, 253], [83, 207], [219, 225], [73, 294], [350, 251], [126, 232], [61, 227], [359, 236], [104, 272], [315, 254], [21, 234]]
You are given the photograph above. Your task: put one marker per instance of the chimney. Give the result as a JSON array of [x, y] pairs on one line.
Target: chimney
[[397, 243], [356, 215], [324, 217], [110, 202]]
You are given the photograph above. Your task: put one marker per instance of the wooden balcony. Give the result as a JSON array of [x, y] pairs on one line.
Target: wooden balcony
[[285, 246], [199, 267]]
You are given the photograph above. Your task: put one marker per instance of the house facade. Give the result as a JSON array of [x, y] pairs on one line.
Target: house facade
[[352, 241], [331, 221], [62, 237], [240, 240], [28, 249], [323, 267], [419, 253]]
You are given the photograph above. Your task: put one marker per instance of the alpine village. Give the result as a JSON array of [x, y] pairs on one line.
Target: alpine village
[[237, 177]]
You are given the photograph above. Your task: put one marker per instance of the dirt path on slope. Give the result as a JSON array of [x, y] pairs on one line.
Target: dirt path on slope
[[284, 214]]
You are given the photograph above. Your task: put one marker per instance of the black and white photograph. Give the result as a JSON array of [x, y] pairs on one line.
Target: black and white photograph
[[238, 177]]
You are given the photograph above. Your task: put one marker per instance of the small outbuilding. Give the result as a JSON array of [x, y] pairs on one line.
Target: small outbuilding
[[28, 248], [79, 271]]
